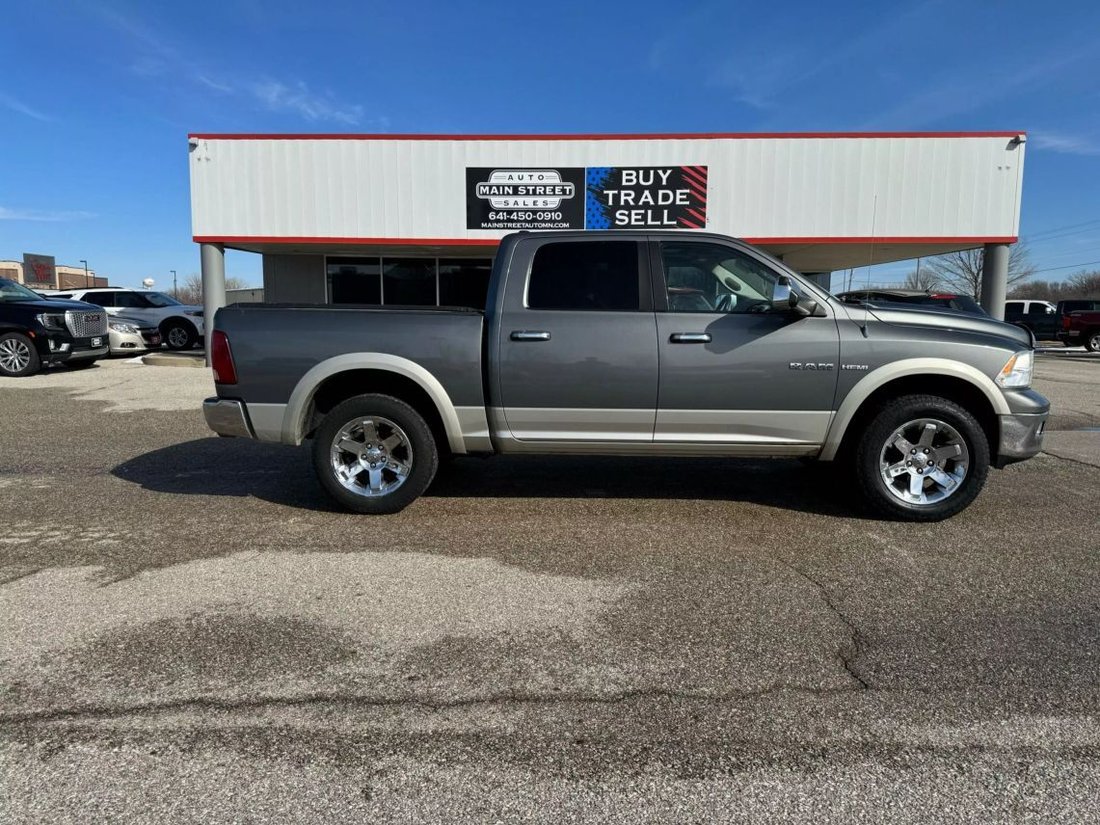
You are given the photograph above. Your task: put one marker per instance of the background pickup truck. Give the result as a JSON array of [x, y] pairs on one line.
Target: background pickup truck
[[1082, 328], [684, 344]]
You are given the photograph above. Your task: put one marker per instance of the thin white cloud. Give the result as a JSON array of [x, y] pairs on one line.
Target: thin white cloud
[[211, 83], [1066, 144], [157, 56], [22, 108], [297, 97], [7, 214]]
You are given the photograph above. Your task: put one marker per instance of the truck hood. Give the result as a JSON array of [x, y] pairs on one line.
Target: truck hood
[[946, 319]]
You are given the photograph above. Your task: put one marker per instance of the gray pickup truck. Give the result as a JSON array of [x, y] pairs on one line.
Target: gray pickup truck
[[639, 343]]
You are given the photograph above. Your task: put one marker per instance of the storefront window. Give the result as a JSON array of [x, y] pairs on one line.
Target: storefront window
[[464, 282], [354, 280], [408, 281], [394, 281]]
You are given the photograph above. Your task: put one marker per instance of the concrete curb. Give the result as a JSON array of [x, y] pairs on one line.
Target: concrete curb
[[174, 359]]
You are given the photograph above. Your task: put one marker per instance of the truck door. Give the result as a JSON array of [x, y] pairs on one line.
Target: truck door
[[577, 343], [732, 369]]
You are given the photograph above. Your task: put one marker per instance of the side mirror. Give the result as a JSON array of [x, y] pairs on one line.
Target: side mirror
[[784, 298]]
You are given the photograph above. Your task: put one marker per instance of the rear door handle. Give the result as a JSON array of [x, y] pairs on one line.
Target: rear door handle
[[690, 338], [529, 335]]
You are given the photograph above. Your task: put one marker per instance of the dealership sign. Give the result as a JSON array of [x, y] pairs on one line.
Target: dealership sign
[[39, 270], [596, 197]]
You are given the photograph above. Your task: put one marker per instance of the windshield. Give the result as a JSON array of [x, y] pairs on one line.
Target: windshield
[[12, 292], [159, 299]]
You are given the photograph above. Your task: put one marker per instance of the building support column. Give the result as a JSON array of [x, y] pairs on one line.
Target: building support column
[[212, 258], [995, 279]]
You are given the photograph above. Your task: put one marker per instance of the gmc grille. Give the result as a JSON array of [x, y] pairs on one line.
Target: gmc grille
[[86, 324]]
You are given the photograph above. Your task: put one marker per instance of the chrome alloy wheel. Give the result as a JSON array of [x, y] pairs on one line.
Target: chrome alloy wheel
[[371, 456], [924, 461], [177, 337], [15, 355]]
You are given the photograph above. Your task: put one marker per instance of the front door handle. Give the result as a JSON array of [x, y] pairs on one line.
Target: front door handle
[[529, 335], [690, 338]]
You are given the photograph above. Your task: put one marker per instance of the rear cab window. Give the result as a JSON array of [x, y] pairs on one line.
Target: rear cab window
[[599, 276]]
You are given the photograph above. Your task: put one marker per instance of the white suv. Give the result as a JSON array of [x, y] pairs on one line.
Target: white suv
[[180, 325]]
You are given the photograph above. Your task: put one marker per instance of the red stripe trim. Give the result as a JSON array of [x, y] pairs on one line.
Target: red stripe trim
[[697, 214], [701, 195], [692, 175], [662, 136], [274, 239]]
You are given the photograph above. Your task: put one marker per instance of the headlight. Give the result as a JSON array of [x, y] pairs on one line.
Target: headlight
[[51, 320], [119, 326], [1016, 373]]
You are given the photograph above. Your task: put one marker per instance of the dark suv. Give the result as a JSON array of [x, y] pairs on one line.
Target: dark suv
[[35, 331]]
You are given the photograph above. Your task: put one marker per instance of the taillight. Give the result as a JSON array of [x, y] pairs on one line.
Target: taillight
[[221, 359], [1065, 323]]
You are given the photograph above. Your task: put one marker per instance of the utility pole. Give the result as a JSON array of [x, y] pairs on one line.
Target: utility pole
[[175, 292], [87, 281]]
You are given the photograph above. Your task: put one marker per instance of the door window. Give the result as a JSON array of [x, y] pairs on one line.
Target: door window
[[706, 277], [103, 299], [585, 275], [131, 300]]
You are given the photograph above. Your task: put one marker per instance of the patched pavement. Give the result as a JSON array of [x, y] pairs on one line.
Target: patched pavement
[[193, 632]]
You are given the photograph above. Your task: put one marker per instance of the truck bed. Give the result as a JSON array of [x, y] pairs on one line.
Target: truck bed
[[274, 345]]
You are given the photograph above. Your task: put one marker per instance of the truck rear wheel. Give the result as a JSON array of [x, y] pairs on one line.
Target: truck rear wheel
[[374, 454], [921, 458], [1092, 340]]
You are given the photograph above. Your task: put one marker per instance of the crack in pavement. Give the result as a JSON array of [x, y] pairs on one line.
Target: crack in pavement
[[847, 657], [1072, 460], [321, 698]]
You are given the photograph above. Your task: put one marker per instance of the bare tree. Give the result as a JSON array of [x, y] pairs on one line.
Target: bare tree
[[962, 271], [1080, 285], [923, 278], [190, 291]]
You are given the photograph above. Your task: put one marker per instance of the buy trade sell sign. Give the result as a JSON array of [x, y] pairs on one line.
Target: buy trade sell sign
[[594, 197]]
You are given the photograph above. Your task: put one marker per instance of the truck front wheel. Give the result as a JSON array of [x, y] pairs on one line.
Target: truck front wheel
[[374, 454], [921, 458]]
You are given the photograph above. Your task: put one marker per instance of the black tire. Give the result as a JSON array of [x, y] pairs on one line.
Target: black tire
[[179, 335], [1092, 340], [18, 356], [421, 447], [893, 416]]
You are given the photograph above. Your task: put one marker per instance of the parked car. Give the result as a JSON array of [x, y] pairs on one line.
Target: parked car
[[1082, 328], [944, 300], [36, 331], [584, 347], [129, 335], [1063, 310], [1041, 317], [180, 325]]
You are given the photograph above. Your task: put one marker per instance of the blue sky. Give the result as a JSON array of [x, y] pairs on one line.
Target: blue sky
[[96, 98]]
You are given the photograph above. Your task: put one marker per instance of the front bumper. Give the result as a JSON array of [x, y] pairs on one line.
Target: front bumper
[[144, 339], [1021, 437], [227, 417]]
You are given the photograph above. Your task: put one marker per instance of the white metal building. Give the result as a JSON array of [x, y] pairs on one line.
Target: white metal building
[[415, 219]]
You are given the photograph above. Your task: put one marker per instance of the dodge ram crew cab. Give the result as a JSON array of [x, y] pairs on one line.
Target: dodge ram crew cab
[[640, 343]]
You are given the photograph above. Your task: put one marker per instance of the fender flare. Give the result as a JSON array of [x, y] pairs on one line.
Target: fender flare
[[899, 369], [294, 422]]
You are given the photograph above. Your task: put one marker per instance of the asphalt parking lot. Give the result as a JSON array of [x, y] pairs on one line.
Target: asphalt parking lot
[[191, 632]]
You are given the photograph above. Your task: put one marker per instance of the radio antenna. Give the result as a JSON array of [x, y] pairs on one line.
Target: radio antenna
[[870, 264]]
